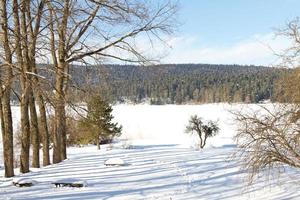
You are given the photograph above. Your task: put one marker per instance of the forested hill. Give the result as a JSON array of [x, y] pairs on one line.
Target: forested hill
[[180, 83]]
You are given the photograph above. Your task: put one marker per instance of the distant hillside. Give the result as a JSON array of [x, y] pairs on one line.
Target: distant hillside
[[179, 83]]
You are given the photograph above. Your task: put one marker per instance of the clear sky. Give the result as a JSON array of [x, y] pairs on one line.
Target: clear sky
[[230, 31]]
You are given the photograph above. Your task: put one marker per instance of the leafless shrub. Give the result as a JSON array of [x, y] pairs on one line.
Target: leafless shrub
[[268, 139], [203, 129], [290, 55]]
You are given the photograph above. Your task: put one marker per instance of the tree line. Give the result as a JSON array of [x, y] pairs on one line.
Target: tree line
[[179, 83]]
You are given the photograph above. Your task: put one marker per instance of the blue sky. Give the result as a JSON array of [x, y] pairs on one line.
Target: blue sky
[[231, 31]]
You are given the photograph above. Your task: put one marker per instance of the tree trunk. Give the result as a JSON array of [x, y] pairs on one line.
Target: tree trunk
[[57, 136], [42, 118], [63, 134], [44, 128], [25, 128], [35, 139], [59, 139], [1, 111], [60, 77], [98, 143], [34, 28], [23, 62], [7, 134], [204, 141], [5, 111], [59, 115], [200, 137]]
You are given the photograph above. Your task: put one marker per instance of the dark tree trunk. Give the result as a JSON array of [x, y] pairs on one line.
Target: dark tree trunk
[[201, 139], [35, 138], [98, 143], [23, 61], [25, 128], [57, 136], [204, 141], [59, 115], [42, 122], [44, 129], [7, 134], [5, 111], [63, 135]]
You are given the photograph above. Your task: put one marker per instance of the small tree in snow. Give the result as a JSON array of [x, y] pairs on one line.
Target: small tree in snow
[[202, 129], [98, 124]]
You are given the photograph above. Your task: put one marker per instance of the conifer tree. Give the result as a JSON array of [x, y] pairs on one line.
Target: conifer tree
[[98, 123]]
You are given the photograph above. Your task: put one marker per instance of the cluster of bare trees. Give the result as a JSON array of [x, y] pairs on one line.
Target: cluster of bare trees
[[61, 33]]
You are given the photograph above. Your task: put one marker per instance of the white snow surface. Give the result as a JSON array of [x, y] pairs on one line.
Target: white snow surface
[[115, 161], [165, 124], [161, 163]]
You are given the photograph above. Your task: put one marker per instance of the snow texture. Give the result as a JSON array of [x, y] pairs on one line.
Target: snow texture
[[164, 163]]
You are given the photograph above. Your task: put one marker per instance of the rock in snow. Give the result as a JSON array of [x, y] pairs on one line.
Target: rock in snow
[[114, 162], [70, 182], [22, 182]]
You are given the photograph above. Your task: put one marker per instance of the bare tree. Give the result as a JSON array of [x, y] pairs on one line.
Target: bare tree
[[290, 56], [72, 32], [21, 48], [202, 129], [23, 39], [34, 14], [269, 138], [113, 27]]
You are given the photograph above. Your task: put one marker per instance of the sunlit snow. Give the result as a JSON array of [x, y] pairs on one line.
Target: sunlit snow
[[162, 162]]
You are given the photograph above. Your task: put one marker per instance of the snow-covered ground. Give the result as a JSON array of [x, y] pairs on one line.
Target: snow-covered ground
[[166, 124], [161, 163]]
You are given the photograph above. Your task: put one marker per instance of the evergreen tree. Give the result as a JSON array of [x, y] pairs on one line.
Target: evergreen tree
[[98, 123]]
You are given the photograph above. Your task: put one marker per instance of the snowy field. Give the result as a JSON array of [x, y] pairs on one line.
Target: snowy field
[[161, 162]]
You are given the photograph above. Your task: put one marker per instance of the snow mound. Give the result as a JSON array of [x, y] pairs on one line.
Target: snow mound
[[20, 182], [115, 162]]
